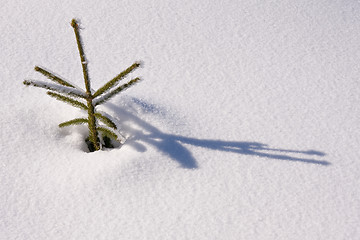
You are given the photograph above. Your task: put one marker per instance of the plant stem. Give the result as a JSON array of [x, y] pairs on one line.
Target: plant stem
[[75, 25], [93, 133]]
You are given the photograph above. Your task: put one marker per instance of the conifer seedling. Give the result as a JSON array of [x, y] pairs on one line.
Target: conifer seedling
[[101, 127]]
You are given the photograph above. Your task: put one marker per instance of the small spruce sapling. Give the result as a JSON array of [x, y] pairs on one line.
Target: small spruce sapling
[[87, 100]]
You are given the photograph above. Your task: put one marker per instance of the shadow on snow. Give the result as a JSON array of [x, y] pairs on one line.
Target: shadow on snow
[[173, 145]]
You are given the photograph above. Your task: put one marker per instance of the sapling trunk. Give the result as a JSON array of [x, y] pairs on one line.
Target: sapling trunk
[[93, 134]]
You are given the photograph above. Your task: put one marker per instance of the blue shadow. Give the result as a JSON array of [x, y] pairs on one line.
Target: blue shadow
[[173, 145]]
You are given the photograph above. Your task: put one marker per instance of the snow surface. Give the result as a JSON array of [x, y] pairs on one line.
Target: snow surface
[[246, 125]]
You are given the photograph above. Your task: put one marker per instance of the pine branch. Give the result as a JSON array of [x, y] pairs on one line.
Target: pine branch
[[116, 79], [107, 121], [68, 100], [76, 121], [111, 94], [108, 133], [57, 88], [53, 77]]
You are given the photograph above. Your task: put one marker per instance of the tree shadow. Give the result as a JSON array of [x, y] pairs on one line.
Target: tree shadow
[[173, 145]]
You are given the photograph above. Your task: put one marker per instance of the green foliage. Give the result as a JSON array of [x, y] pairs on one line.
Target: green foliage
[[68, 100], [64, 91], [116, 79], [76, 121], [52, 77], [108, 132], [107, 121], [111, 94]]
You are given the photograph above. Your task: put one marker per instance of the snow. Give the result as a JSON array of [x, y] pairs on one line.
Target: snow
[[245, 126], [57, 87]]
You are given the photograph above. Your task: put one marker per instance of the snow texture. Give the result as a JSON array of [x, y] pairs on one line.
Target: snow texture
[[245, 126]]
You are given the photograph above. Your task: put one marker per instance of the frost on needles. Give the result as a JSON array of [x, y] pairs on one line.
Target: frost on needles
[[101, 128]]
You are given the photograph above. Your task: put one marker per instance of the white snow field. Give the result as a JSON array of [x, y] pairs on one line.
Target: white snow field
[[245, 126]]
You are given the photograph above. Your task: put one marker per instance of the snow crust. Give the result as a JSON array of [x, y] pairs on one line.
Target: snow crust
[[245, 126]]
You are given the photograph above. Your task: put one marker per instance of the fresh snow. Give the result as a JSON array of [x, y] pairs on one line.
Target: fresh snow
[[245, 126], [57, 88]]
